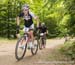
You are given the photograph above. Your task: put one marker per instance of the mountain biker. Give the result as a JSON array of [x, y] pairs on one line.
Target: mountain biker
[[28, 21], [43, 30]]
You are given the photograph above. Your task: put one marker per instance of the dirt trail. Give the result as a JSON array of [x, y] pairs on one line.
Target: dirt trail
[[7, 56]]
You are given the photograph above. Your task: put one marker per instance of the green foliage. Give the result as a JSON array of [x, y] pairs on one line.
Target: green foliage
[[69, 49], [52, 27], [59, 15]]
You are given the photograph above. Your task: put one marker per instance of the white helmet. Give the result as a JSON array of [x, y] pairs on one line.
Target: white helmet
[[43, 24], [25, 6]]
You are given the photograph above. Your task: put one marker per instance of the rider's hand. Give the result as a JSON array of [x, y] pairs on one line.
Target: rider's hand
[[36, 28], [46, 33], [18, 35], [17, 31]]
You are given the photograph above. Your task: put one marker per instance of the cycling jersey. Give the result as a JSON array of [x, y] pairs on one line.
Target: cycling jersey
[[43, 29], [27, 19]]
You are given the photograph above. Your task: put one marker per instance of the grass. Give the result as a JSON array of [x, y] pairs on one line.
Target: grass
[[68, 49], [6, 40], [55, 55]]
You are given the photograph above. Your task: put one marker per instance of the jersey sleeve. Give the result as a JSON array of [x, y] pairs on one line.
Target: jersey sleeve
[[32, 14]]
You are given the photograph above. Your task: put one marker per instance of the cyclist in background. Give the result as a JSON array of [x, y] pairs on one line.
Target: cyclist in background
[[43, 30]]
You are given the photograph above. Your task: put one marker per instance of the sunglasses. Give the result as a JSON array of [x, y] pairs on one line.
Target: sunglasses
[[26, 9]]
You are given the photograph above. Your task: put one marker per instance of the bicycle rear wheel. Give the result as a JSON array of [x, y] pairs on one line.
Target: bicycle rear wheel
[[35, 47], [20, 49], [40, 43]]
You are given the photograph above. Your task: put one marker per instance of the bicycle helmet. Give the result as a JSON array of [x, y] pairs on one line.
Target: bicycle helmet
[[43, 24], [25, 6]]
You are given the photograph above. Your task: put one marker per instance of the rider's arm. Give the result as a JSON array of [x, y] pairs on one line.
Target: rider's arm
[[18, 21], [46, 30], [17, 29], [18, 25], [35, 18], [18, 18]]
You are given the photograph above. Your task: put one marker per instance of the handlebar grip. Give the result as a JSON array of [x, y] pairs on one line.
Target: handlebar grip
[[17, 29]]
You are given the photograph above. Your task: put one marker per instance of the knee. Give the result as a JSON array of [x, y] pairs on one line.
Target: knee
[[31, 33]]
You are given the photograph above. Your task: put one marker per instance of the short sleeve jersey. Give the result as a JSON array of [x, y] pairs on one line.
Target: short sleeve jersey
[[43, 29], [28, 20]]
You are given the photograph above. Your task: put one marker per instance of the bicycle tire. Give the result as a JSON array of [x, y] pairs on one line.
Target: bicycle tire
[[33, 53], [16, 49], [40, 44]]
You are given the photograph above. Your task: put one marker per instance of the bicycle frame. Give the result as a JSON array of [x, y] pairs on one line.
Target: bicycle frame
[[27, 36], [32, 47]]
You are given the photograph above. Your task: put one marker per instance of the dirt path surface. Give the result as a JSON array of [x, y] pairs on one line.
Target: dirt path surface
[[7, 55]]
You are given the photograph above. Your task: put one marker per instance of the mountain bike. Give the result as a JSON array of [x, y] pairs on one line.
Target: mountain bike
[[42, 41], [22, 46]]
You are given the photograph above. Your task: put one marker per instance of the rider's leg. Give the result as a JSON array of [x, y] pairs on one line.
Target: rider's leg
[[44, 40], [31, 32], [31, 35]]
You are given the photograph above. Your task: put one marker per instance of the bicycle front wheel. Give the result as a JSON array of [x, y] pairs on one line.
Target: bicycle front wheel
[[35, 47], [20, 49]]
